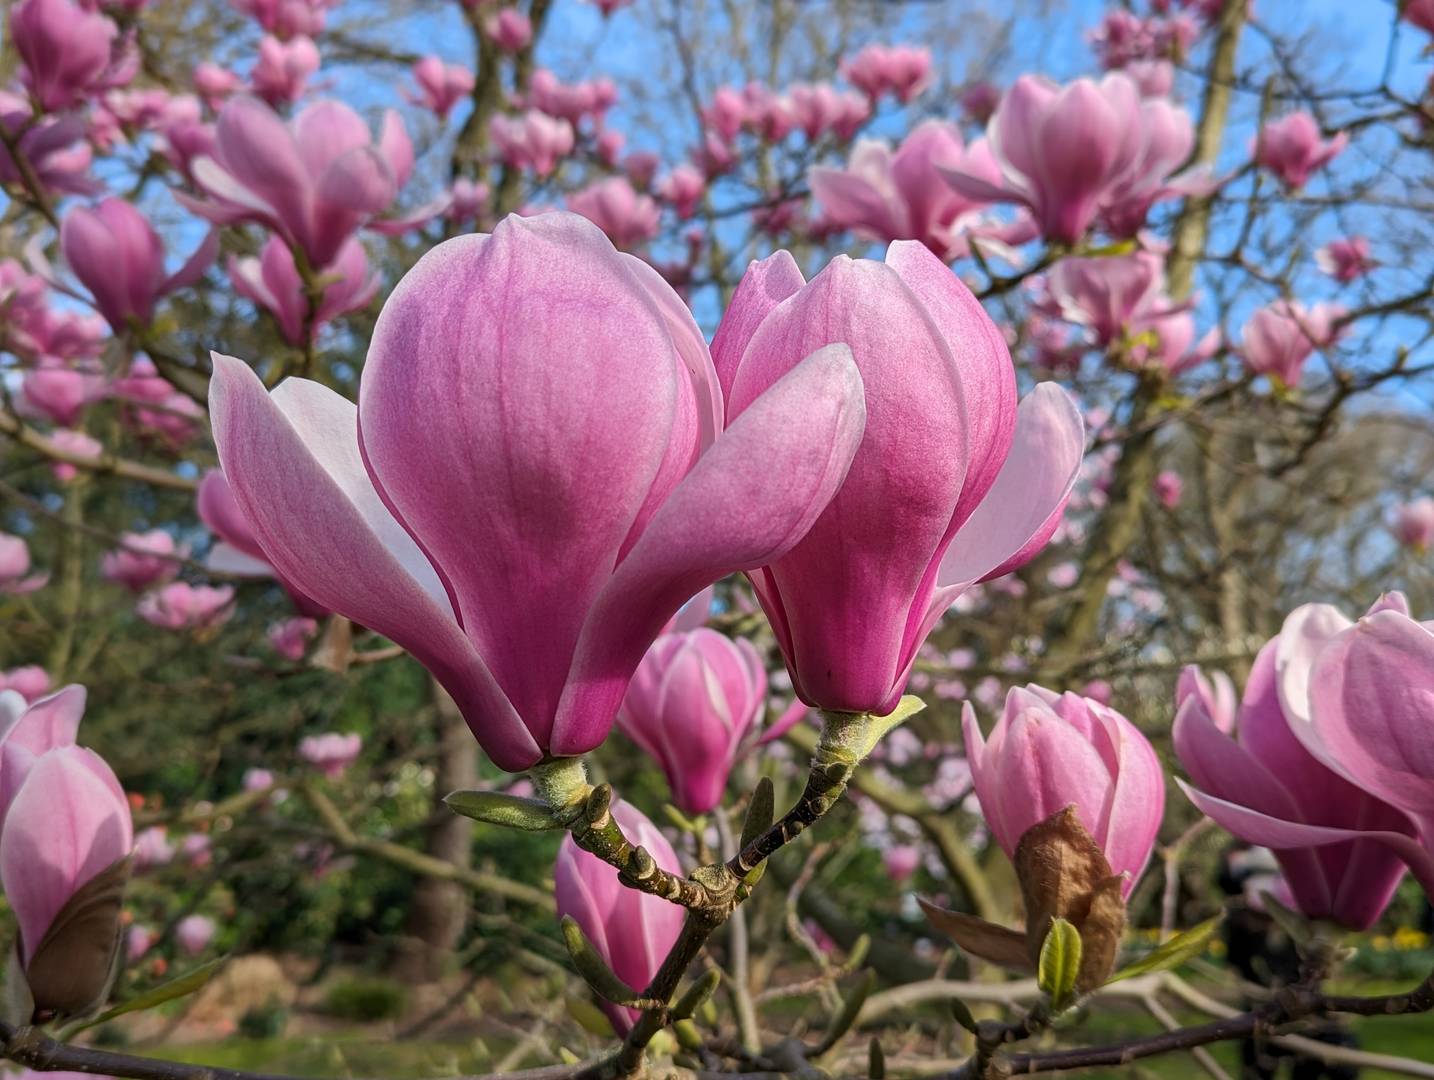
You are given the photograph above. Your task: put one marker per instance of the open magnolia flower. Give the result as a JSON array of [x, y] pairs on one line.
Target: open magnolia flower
[[533, 481]]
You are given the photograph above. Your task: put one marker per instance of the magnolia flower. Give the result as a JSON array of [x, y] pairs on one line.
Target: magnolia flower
[[627, 217], [314, 180], [15, 576], [1345, 259], [583, 449], [1414, 524], [1049, 751], [1295, 782], [142, 560], [900, 70], [1281, 336], [852, 602], [1292, 149], [902, 196], [194, 933], [331, 753], [691, 705], [442, 85], [273, 282], [181, 606], [290, 638], [633, 931], [117, 255]]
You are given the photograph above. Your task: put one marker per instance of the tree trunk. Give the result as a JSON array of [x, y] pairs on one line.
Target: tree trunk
[[438, 911]]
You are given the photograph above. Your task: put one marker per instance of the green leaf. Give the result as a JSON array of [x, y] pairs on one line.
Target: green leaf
[[1184, 946], [875, 1060], [510, 811], [1059, 963], [847, 1014], [183, 986], [760, 811], [962, 1012], [593, 968], [697, 994]]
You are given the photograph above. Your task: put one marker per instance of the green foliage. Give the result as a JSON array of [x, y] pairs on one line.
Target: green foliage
[[1184, 946], [264, 1022], [1059, 963], [365, 999]]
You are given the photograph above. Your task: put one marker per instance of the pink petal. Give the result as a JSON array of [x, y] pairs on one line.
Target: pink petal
[[1023, 507], [766, 284], [723, 517], [293, 464]]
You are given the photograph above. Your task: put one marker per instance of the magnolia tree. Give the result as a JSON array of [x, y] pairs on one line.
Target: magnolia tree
[[982, 414]]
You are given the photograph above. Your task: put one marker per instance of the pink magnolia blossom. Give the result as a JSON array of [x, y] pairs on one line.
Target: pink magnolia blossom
[[314, 180], [641, 167], [1098, 690], [1168, 488], [67, 822], [1370, 709], [979, 101], [55, 148], [726, 113], [31, 682], [1061, 151], [181, 606], [572, 102], [853, 601], [283, 69], [614, 206], [509, 29], [534, 140], [442, 85], [59, 392], [138, 940], [633, 931], [152, 848], [902, 71], [1413, 524], [1283, 335], [118, 256], [197, 850], [1345, 259], [822, 109], [1216, 693], [76, 444], [153, 407], [194, 933], [290, 638], [1292, 149], [286, 18], [30, 730], [1165, 138], [469, 200], [142, 560], [901, 861], [1281, 783], [331, 753], [214, 83], [65, 51], [15, 576], [1108, 295], [273, 282], [902, 196], [615, 474], [683, 188], [1049, 751], [257, 779], [607, 7], [693, 701]]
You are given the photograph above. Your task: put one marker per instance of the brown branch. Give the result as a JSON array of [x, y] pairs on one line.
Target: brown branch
[[25, 435]]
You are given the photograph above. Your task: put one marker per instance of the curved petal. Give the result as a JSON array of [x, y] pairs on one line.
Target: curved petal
[[1372, 702], [724, 516], [293, 465], [542, 374], [1024, 505], [988, 378], [1291, 836], [766, 284], [1306, 631]]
